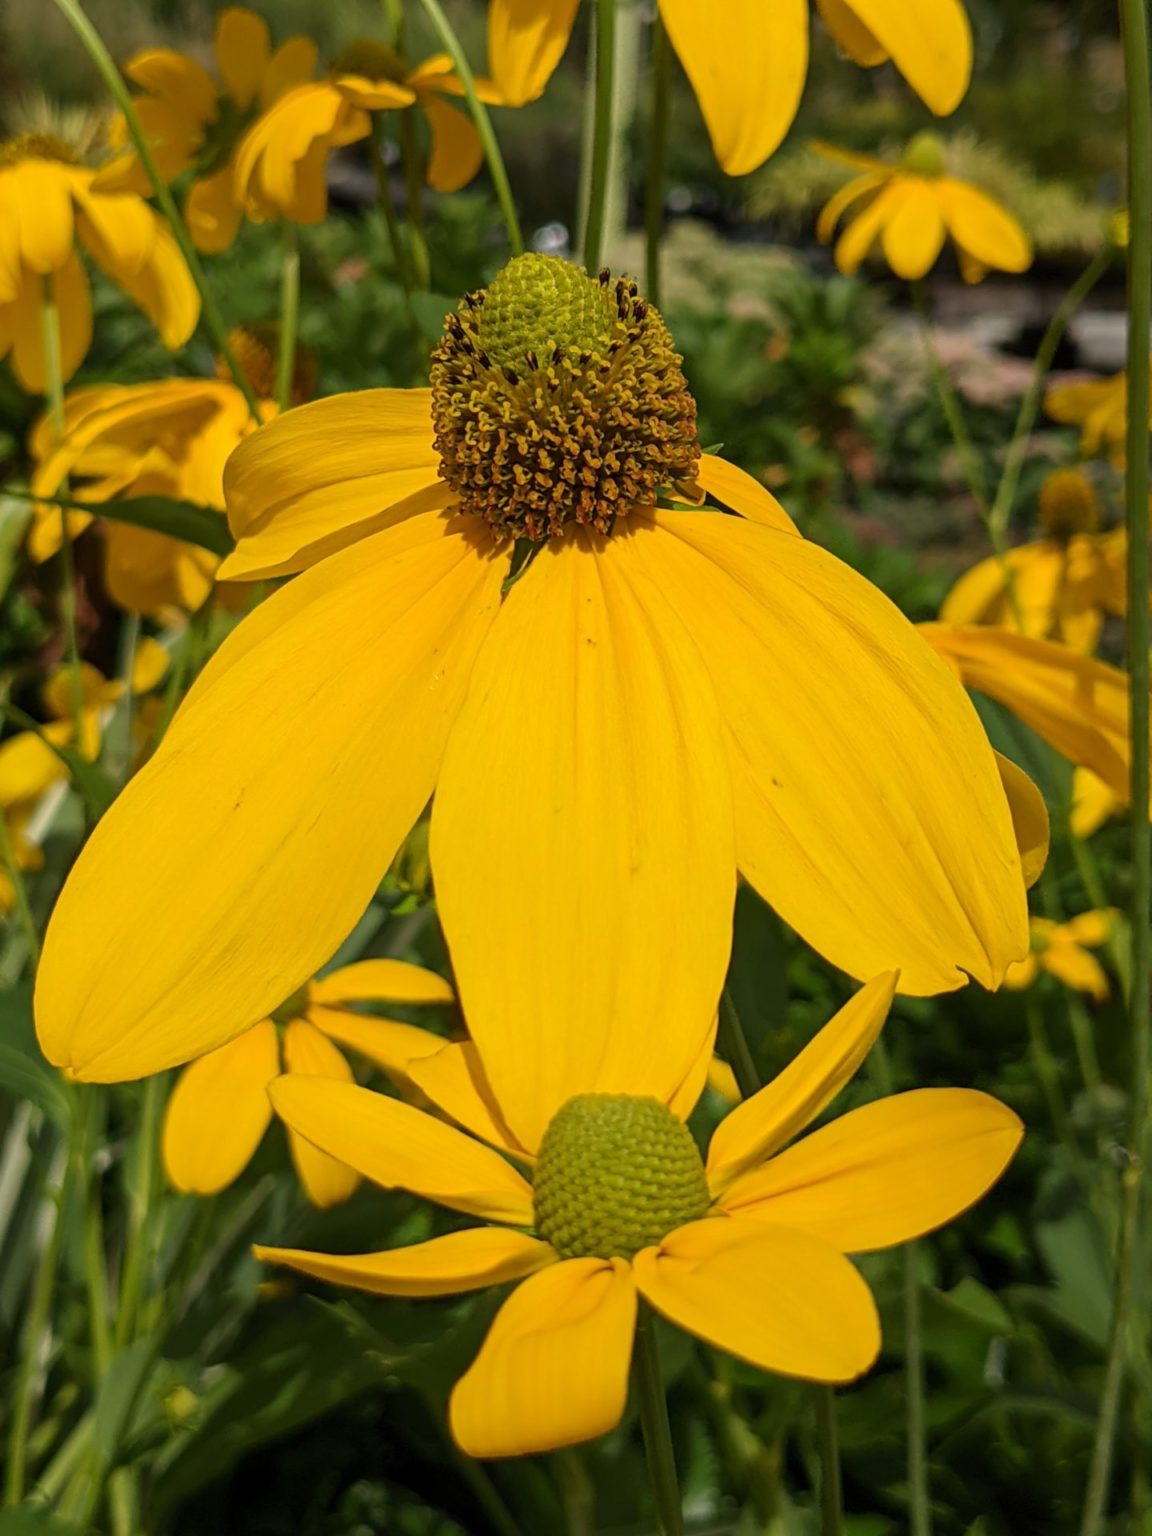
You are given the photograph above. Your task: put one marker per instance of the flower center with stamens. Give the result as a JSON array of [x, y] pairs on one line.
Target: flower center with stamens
[[37, 146], [256, 348], [1067, 505], [375, 61], [924, 156], [557, 398], [616, 1173]]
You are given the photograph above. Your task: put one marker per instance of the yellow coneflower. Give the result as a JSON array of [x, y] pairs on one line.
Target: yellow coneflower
[[1064, 950], [1099, 407]]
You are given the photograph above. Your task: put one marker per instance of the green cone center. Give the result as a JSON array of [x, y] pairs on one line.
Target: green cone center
[[616, 1173], [924, 155]]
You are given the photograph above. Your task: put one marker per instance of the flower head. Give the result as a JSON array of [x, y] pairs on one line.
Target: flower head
[[747, 1248], [910, 207], [1099, 407], [1064, 950]]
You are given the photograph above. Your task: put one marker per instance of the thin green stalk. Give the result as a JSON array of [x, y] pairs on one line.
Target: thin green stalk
[[828, 1436], [654, 1426], [86, 1108], [289, 313], [661, 77], [93, 44], [732, 1044], [140, 1196], [601, 133], [388, 208], [483, 123], [1128, 1322], [19, 893], [54, 393], [414, 184], [950, 405], [1092, 880]]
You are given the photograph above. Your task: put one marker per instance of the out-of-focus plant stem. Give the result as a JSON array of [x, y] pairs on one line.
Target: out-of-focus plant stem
[[601, 153], [289, 313], [655, 1428], [414, 184], [54, 394], [661, 76]]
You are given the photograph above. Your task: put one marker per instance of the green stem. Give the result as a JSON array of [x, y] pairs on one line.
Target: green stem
[[1127, 1321], [106, 67], [289, 313], [601, 133], [482, 122], [414, 183], [54, 392], [388, 208], [1044, 1064], [828, 1435], [733, 1046], [657, 1432], [140, 1196], [661, 68], [86, 1107], [19, 892], [950, 405]]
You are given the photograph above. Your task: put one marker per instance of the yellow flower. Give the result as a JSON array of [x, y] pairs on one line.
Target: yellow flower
[[662, 695], [195, 124], [748, 1250], [1093, 803], [219, 1109], [26, 854], [1061, 586], [48, 202], [1062, 949], [909, 208], [747, 64], [1099, 407], [281, 165]]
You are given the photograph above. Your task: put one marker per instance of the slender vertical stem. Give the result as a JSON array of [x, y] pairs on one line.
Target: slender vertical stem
[[414, 184], [140, 1197], [1044, 1063], [1127, 1323], [289, 313], [54, 393], [661, 73], [828, 1435], [483, 123], [655, 1428], [601, 132], [734, 1047], [388, 208], [93, 43], [86, 1108], [946, 395]]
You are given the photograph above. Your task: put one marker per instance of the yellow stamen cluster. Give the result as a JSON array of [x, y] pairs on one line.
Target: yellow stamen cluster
[[616, 1173], [1067, 505], [558, 398], [255, 349], [37, 146]]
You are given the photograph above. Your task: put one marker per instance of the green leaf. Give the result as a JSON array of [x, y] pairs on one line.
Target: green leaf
[[23, 1070], [34, 1520], [119, 1394], [14, 516], [183, 520], [96, 787]]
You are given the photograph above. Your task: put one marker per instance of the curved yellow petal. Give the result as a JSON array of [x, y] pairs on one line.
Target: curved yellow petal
[[374, 95], [930, 43], [1029, 818], [122, 226], [212, 212], [1076, 968], [869, 810], [742, 493], [865, 229], [74, 305], [292, 64], [162, 286], [399, 1147], [146, 572], [334, 695], [761, 1125], [307, 1053], [526, 39], [842, 200], [453, 1078], [42, 192], [1092, 928], [747, 71], [885, 1173], [869, 165], [28, 765], [457, 153], [387, 1042], [553, 1370], [218, 1112], [591, 709], [321, 476], [850, 33], [773, 1296], [914, 234], [242, 50], [1022, 974], [444, 1266], [179, 81], [1093, 803], [384, 980], [987, 232]]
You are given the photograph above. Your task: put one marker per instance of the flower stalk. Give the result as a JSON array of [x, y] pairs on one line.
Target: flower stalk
[[657, 1432], [601, 153], [289, 313], [661, 76]]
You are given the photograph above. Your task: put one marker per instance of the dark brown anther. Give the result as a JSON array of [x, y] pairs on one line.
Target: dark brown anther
[[531, 359], [511, 375], [557, 356], [604, 277]]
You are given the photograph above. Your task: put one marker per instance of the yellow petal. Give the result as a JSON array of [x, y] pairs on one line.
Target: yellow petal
[[28, 766], [987, 232], [145, 572], [388, 1043], [1076, 968], [321, 476], [778, 1298], [457, 153], [175, 78], [930, 43], [149, 664], [870, 165], [850, 33], [336, 694], [914, 233], [526, 39], [74, 305], [768, 1120], [124, 226], [887, 1172], [212, 212], [391, 981], [843, 199], [735, 488], [553, 1370], [219, 1111], [592, 710], [748, 73], [1029, 818], [444, 1266], [1022, 974], [453, 1078], [1093, 803], [326, 1180], [1092, 928], [242, 49], [869, 810], [399, 1147], [42, 192], [866, 228], [293, 64]]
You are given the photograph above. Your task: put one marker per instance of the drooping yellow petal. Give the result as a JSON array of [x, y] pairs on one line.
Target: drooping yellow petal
[[399, 1147], [526, 39], [748, 72], [74, 305], [124, 226], [735, 488], [374, 95], [1093, 803], [387, 1042], [930, 43], [914, 234], [292, 64], [444, 1266], [885, 1173], [591, 709], [850, 33], [1022, 974], [212, 212], [178, 80], [242, 50], [768, 1120], [335, 695], [865, 229], [384, 980], [149, 664], [869, 809], [778, 1298], [307, 1053], [1029, 819], [1092, 928], [453, 1078], [219, 1111], [457, 153], [553, 1370], [986, 231], [28, 766], [42, 192], [318, 478], [1076, 968], [842, 200]]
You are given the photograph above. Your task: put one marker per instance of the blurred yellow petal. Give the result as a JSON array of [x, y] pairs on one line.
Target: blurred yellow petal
[[374, 95], [219, 1111], [146, 572], [293, 64], [885, 1173], [737, 489], [590, 703], [391, 981], [28, 766], [212, 212], [149, 664], [842, 200], [553, 1370], [457, 153], [123, 227], [914, 233], [930, 43], [850, 33], [1093, 803], [748, 72], [74, 306], [864, 230], [1076, 968], [986, 231], [175, 78], [444, 1266], [326, 1180], [453, 1078], [43, 195], [526, 39], [869, 809], [870, 165], [1092, 928], [399, 1147], [387, 1042], [768, 1120], [1029, 818], [335, 694], [242, 49], [778, 1298], [1022, 974]]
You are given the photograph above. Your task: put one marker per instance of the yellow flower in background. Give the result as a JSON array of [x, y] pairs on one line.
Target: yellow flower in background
[[1063, 950], [219, 1109], [747, 1250], [665, 694], [908, 209], [195, 124], [49, 207], [1061, 586], [747, 64], [1093, 803], [281, 165], [26, 854], [1099, 407]]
